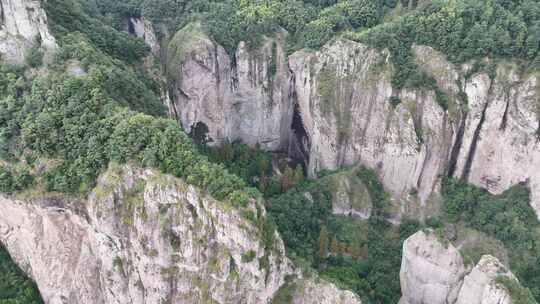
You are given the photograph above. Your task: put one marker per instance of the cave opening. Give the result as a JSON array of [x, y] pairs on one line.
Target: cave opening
[[299, 142], [131, 27]]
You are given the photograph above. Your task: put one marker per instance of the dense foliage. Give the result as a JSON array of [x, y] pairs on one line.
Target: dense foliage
[[69, 16], [76, 121], [310, 23], [364, 256], [507, 217], [15, 287], [463, 30]]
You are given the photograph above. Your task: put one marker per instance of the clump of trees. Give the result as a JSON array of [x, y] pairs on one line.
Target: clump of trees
[[363, 256], [15, 287], [463, 30], [507, 217]]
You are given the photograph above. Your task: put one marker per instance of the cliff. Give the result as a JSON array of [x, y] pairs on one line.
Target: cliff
[[145, 237], [336, 107], [23, 25], [433, 271]]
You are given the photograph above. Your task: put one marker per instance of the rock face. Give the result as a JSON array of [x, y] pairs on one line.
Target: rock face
[[350, 196], [245, 100], [336, 107], [142, 28], [143, 237], [433, 272], [500, 146], [344, 96], [23, 24], [319, 292], [479, 286]]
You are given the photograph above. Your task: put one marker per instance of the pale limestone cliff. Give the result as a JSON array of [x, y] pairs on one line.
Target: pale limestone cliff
[[244, 98], [141, 237], [433, 271], [344, 96], [23, 24], [315, 291], [145, 237], [480, 286], [336, 107]]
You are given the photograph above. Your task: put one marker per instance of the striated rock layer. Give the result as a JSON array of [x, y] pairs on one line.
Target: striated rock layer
[[23, 24], [432, 271], [145, 237], [245, 100]]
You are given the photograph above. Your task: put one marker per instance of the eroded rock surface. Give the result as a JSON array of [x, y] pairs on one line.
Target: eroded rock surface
[[432, 271], [247, 99], [336, 107], [314, 291], [145, 237], [23, 25]]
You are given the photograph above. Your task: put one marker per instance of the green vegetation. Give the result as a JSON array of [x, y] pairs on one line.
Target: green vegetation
[[81, 122], [70, 16], [15, 287], [364, 256], [249, 256], [518, 294], [34, 57], [310, 23], [461, 29], [252, 164], [507, 217]]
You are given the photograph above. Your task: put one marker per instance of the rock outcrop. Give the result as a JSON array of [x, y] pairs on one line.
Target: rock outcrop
[[344, 95], [144, 29], [314, 291], [143, 237], [480, 286], [23, 25], [337, 107], [433, 271], [246, 97]]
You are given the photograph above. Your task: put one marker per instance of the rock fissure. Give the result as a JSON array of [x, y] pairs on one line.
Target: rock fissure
[[458, 144], [476, 138]]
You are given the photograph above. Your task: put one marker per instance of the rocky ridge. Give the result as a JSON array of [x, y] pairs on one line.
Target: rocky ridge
[[336, 107], [433, 271], [145, 237]]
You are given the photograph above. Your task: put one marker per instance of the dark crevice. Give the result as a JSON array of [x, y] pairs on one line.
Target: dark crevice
[[299, 142], [216, 71], [234, 72], [474, 144], [454, 155], [504, 120], [2, 15], [131, 27]]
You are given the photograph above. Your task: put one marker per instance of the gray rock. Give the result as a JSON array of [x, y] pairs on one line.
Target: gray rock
[[22, 26], [146, 237], [248, 100], [432, 272]]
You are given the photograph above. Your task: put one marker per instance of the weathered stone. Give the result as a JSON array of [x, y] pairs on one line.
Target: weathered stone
[[431, 271], [480, 286], [146, 237], [23, 25], [246, 99]]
